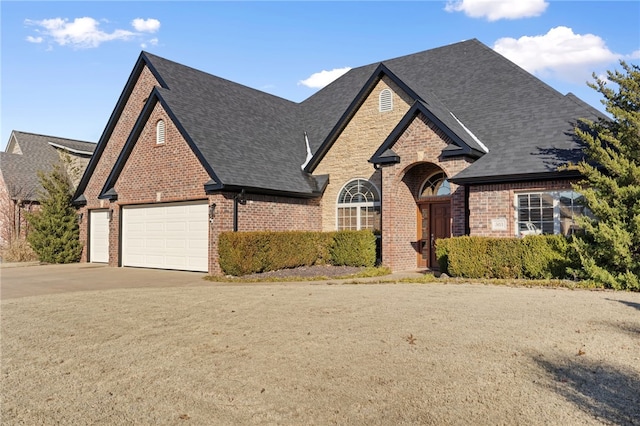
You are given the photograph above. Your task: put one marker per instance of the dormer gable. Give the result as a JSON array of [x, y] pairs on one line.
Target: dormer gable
[[468, 145]]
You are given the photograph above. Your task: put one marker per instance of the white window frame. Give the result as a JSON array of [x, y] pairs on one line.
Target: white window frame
[[445, 183], [161, 131], [533, 230], [385, 101], [357, 205]]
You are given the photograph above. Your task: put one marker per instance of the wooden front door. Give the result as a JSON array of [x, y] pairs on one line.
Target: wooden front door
[[434, 222]]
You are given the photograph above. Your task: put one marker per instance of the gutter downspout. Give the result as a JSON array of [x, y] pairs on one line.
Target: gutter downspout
[[377, 167], [467, 228]]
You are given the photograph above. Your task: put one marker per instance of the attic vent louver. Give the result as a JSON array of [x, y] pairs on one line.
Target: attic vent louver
[[386, 101], [160, 132]]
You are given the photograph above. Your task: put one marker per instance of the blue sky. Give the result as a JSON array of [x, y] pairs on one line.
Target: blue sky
[[64, 64]]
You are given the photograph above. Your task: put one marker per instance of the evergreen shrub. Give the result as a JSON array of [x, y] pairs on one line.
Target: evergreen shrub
[[55, 234], [353, 248], [534, 257], [242, 253]]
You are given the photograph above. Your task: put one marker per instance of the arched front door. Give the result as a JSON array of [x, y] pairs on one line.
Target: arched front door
[[433, 218]]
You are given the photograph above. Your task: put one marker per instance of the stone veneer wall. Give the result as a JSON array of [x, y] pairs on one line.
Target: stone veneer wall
[[348, 157]]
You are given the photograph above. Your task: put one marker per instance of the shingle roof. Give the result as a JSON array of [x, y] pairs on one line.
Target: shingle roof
[[526, 125], [250, 139], [20, 171]]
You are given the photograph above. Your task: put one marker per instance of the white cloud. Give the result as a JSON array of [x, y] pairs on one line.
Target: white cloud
[[84, 33], [151, 42], [80, 33], [559, 53], [321, 79], [146, 25], [494, 10], [32, 39]]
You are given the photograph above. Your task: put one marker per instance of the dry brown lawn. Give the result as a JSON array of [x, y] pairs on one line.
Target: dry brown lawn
[[322, 354]]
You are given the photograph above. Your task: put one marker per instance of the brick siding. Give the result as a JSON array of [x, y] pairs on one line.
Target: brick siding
[[171, 172], [497, 201], [141, 91], [419, 147]]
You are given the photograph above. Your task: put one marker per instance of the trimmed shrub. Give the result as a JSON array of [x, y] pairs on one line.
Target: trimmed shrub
[[353, 248], [242, 253], [535, 256], [464, 256], [504, 258]]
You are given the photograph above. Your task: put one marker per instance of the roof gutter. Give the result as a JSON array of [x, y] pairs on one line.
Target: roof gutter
[[212, 186], [66, 148], [523, 177]]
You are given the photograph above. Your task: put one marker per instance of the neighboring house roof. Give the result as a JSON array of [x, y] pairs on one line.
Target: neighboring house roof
[[28, 153], [516, 126]]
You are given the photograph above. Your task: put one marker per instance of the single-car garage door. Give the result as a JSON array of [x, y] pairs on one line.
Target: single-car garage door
[[166, 236], [99, 236]]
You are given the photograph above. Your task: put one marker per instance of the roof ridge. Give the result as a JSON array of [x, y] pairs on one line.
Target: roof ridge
[[433, 49], [151, 57], [51, 136]]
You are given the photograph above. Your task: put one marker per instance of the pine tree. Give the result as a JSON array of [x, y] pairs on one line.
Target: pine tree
[[54, 234], [609, 250]]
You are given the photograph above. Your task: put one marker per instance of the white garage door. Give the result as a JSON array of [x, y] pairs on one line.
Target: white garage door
[[99, 236], [166, 236]]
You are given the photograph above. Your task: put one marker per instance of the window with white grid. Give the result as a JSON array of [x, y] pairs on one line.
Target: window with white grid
[[358, 206]]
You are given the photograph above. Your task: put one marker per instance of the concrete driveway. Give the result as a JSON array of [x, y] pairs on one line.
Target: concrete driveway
[[36, 280]]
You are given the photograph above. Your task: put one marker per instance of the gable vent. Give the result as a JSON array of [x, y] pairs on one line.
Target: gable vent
[[386, 101], [160, 132]]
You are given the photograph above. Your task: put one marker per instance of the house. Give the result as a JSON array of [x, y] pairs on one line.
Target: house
[[25, 155], [450, 141]]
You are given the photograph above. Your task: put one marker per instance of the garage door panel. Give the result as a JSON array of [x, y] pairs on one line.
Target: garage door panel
[[168, 236], [176, 227], [199, 245], [154, 226], [176, 244]]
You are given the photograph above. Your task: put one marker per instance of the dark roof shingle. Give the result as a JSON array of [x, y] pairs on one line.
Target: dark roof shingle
[[20, 171], [250, 139]]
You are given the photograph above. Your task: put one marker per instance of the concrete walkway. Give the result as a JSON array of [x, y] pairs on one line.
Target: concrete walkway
[[34, 279]]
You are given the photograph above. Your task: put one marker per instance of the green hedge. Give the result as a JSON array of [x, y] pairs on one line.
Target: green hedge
[[242, 253], [534, 256], [353, 248]]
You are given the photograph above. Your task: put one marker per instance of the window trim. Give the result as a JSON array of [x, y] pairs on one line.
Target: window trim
[[357, 205], [557, 218], [428, 179]]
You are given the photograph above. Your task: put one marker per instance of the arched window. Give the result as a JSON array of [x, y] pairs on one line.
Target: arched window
[[436, 185], [359, 206], [386, 101], [160, 132]]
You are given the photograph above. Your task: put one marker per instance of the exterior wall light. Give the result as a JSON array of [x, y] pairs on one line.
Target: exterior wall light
[[212, 212]]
